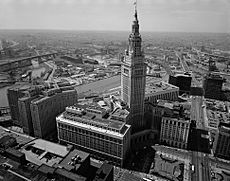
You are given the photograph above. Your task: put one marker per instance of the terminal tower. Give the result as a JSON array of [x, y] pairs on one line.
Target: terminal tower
[[133, 73]]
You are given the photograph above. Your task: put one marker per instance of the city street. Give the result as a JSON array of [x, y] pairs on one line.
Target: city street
[[201, 166], [197, 111], [199, 160]]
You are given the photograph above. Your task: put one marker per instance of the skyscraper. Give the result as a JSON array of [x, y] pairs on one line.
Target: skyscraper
[[222, 142], [133, 73]]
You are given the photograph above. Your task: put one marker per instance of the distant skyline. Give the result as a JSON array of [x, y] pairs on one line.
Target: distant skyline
[[117, 15]]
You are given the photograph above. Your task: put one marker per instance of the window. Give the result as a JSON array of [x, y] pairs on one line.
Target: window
[[126, 71]]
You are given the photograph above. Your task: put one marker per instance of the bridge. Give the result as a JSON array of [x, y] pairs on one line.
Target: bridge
[[23, 62]]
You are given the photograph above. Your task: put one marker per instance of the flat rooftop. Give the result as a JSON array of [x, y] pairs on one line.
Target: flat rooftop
[[157, 87], [96, 119], [168, 160], [120, 113], [175, 106], [80, 158], [20, 86], [94, 128], [217, 105], [41, 152], [20, 138]]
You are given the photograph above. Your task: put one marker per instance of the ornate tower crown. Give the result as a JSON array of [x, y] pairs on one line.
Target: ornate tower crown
[[133, 72], [135, 37]]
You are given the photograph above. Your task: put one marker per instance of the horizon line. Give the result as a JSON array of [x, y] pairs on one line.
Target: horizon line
[[79, 30]]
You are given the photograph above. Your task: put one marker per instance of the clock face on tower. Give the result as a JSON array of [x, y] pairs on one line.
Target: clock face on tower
[[133, 72]]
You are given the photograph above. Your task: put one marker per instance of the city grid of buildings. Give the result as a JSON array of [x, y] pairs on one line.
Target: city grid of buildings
[[184, 119]]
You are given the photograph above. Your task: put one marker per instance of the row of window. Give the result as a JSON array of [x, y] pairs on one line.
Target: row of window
[[77, 130], [172, 122], [167, 96], [91, 142], [174, 143], [88, 122]]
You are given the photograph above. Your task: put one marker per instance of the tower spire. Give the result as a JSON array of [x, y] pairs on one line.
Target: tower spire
[[135, 10]]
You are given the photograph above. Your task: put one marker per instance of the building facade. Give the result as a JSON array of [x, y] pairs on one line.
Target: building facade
[[160, 90], [87, 128], [25, 114], [222, 142], [174, 132], [174, 119], [212, 85], [183, 81], [44, 110], [13, 94], [133, 72]]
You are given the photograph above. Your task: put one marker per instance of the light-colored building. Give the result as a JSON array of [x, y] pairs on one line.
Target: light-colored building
[[133, 72], [175, 125], [93, 129], [175, 132]]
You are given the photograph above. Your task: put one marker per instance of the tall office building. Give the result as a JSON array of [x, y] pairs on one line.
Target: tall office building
[[212, 85], [222, 142], [175, 123], [175, 132], [45, 108], [133, 72], [92, 128], [13, 94], [183, 81]]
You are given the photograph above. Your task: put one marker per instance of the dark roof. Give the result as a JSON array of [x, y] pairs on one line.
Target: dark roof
[[14, 152], [69, 175], [103, 172], [82, 156], [7, 141], [39, 177], [46, 169], [9, 176]]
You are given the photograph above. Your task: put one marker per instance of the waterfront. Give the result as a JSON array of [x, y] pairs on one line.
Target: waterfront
[[36, 72]]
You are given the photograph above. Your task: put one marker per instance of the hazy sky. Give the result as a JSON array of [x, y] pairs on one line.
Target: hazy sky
[[154, 15]]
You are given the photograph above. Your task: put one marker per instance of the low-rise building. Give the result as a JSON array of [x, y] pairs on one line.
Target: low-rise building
[[39, 159], [160, 90]]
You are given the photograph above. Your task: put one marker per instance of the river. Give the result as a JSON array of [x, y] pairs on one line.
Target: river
[[36, 72]]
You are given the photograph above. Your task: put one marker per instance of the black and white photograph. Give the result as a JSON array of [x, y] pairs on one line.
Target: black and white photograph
[[114, 90]]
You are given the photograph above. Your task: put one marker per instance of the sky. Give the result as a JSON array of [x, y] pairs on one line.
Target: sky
[[154, 15]]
